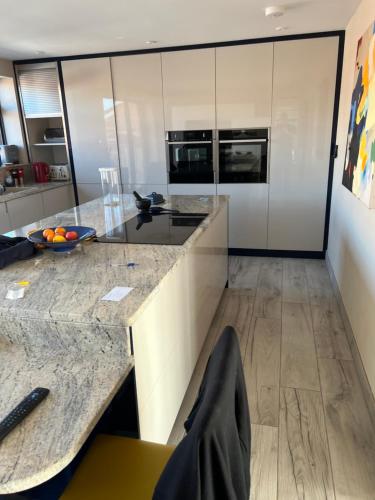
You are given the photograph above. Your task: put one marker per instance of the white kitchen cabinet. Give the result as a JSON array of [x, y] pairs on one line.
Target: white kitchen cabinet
[[25, 210], [89, 100], [248, 214], [57, 200], [88, 192], [145, 189], [138, 95], [193, 189], [4, 219], [303, 100], [244, 85], [189, 89]]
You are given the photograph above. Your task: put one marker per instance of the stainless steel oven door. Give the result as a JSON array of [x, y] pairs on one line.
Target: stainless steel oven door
[[243, 161], [190, 162]]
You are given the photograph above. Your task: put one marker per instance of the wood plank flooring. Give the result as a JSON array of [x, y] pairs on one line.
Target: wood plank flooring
[[312, 434]]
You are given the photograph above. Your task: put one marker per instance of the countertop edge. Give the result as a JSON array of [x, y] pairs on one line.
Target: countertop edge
[[44, 475]]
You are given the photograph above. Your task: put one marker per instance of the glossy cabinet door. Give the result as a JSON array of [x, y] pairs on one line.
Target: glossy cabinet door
[[193, 189], [138, 95], [88, 192], [189, 89], [25, 210], [4, 219], [57, 200], [303, 100], [89, 100], [244, 86], [248, 214]]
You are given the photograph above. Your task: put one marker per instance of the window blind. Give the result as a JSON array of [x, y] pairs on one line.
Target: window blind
[[40, 92]]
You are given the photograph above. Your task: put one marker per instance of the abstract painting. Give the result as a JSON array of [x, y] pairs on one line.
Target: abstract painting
[[359, 167]]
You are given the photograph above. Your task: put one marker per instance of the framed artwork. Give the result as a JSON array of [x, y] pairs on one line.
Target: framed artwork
[[359, 167]]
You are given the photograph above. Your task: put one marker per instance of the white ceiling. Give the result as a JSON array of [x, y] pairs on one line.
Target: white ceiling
[[68, 27]]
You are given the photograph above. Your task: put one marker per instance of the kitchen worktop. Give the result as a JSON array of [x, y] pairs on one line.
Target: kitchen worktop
[[30, 189], [69, 287], [62, 336]]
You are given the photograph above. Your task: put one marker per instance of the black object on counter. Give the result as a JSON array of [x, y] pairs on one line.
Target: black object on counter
[[21, 411], [156, 198], [161, 228], [13, 249], [141, 203]]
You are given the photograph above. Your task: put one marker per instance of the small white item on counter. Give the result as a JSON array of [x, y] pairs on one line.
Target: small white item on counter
[[16, 291], [117, 293]]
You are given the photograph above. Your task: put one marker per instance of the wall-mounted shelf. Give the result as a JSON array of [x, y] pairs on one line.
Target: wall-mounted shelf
[[50, 144]]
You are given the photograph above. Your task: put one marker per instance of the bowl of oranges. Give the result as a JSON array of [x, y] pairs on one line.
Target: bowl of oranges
[[61, 239]]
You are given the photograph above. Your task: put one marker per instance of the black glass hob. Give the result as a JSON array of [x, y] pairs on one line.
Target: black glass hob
[[161, 229]]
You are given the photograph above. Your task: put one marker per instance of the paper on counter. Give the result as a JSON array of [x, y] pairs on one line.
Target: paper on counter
[[117, 293]]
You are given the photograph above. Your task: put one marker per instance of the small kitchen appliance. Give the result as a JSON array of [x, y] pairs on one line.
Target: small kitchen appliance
[[8, 154], [41, 172], [163, 228]]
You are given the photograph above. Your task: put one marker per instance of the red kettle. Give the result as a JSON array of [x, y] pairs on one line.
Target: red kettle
[[41, 171]]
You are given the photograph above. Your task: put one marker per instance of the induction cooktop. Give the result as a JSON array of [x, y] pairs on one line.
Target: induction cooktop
[[161, 229]]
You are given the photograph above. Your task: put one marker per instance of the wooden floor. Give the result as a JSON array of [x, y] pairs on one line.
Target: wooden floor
[[312, 434]]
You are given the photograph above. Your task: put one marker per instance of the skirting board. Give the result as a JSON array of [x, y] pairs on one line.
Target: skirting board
[[366, 388], [293, 254]]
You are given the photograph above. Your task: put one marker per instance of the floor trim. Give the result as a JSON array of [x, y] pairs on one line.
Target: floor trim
[[357, 359], [293, 254]]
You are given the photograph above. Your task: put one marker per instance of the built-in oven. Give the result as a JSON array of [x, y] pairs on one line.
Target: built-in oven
[[190, 156], [243, 155]]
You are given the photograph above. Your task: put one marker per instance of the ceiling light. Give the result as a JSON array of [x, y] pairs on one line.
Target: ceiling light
[[274, 11], [150, 42], [39, 52], [119, 37], [281, 28]]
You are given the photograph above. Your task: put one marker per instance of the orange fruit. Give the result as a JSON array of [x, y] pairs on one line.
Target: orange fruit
[[50, 237], [60, 230], [48, 232], [59, 238]]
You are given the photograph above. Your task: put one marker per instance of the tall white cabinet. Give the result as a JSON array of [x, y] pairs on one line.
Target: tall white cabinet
[[302, 112], [138, 96], [189, 89], [244, 86], [90, 106], [244, 100]]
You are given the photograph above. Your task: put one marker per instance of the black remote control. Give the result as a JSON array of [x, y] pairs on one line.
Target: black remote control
[[22, 410]]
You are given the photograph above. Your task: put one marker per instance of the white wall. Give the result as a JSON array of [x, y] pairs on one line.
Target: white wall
[[351, 249], [9, 108]]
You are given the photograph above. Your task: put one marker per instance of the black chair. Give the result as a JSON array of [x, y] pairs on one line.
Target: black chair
[[212, 462]]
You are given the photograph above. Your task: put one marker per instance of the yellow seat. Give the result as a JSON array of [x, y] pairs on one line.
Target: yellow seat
[[118, 468]]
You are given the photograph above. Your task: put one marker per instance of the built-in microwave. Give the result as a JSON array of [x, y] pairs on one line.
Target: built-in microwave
[[243, 155], [190, 156]]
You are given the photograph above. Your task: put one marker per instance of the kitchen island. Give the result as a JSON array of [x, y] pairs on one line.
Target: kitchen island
[[61, 335]]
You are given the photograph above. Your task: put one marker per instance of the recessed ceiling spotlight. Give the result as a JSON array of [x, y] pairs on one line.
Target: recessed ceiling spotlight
[[281, 28], [39, 52], [274, 11], [150, 42]]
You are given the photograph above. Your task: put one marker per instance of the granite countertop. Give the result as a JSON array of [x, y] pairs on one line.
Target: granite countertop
[[81, 387], [62, 336], [69, 287], [29, 189]]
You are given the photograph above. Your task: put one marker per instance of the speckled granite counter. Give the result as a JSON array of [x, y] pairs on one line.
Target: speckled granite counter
[[62, 336], [32, 189], [69, 288]]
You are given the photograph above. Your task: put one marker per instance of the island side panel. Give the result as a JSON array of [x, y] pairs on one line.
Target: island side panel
[[169, 334]]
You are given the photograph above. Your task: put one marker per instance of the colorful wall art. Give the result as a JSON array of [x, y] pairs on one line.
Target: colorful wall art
[[359, 167]]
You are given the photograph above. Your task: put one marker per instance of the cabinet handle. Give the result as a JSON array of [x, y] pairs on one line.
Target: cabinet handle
[[236, 141]]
